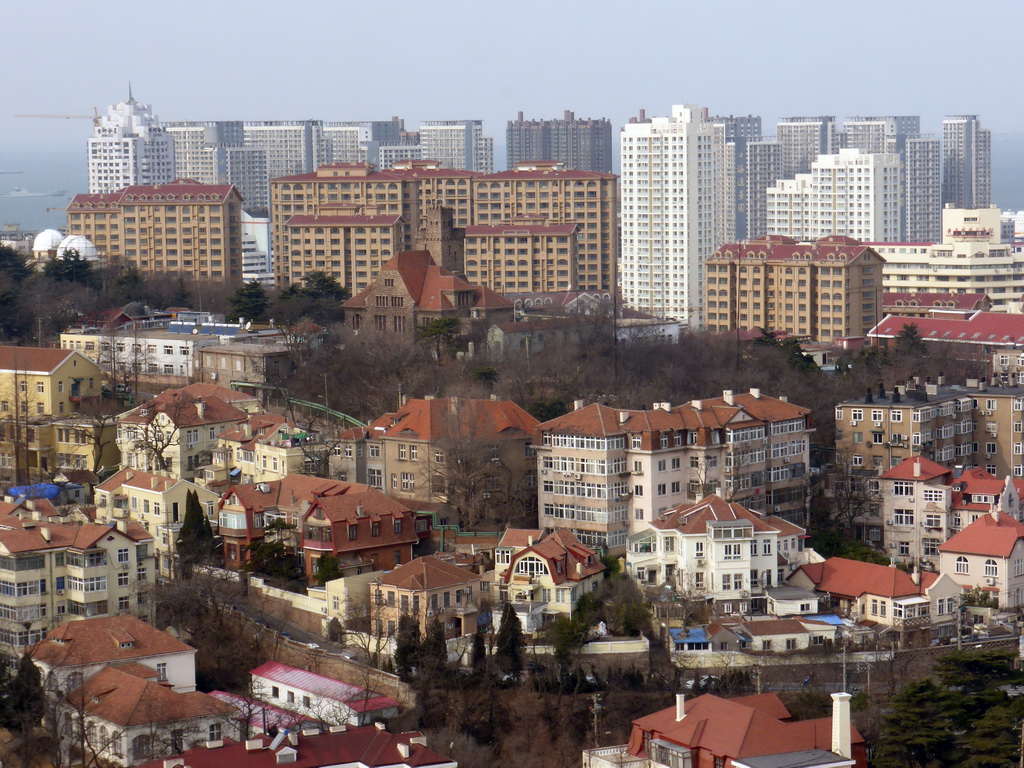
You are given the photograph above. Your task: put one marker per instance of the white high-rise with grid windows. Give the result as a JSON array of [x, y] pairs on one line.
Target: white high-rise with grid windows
[[673, 213], [457, 144], [850, 193], [129, 147]]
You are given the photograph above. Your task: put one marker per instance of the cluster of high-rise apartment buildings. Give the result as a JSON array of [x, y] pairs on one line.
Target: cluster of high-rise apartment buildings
[[345, 196]]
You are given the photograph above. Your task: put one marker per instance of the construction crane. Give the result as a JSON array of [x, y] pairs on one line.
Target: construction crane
[[95, 117]]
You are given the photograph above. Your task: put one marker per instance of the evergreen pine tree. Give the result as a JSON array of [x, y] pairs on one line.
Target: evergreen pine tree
[[327, 568], [407, 646], [195, 539], [25, 697], [918, 730], [510, 643], [479, 651], [249, 301]]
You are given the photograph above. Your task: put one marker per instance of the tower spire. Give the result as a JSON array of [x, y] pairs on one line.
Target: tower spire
[[131, 99]]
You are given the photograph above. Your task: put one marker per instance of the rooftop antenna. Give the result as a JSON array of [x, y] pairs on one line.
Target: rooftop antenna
[[131, 99]]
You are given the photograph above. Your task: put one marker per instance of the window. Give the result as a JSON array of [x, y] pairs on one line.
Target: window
[[353, 532], [215, 732], [991, 569], [902, 488], [961, 565], [161, 671], [903, 517], [790, 643]]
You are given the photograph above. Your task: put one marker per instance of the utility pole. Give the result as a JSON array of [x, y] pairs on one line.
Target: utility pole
[[845, 641], [961, 610], [595, 707]]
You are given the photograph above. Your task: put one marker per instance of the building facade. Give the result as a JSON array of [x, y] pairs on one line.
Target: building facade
[[129, 148], [966, 162], [523, 256], [823, 291], [802, 140], [673, 211], [457, 144], [580, 144]]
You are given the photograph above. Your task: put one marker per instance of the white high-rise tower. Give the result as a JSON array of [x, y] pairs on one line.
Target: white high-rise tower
[[673, 190], [129, 147]]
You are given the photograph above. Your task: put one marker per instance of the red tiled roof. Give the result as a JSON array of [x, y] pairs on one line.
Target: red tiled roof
[[694, 518], [563, 552], [176, 191], [978, 480], [359, 501], [924, 300], [998, 328], [182, 407], [986, 536], [425, 573], [905, 470], [543, 172], [445, 417], [91, 641], [351, 695], [521, 229], [95, 200], [853, 578], [32, 359], [30, 539], [520, 537], [832, 249], [736, 728], [365, 745], [343, 221], [126, 699], [136, 478], [289, 491]]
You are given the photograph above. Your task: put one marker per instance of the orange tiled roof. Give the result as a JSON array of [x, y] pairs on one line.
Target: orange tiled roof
[[428, 573], [32, 359], [520, 537], [125, 699], [136, 478], [359, 500], [289, 491], [182, 407], [92, 641], [445, 417], [905, 470], [31, 536], [990, 535], [563, 553], [852, 578], [694, 518]]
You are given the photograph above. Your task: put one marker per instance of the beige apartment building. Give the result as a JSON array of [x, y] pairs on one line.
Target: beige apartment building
[[507, 257], [430, 589], [970, 259], [550, 191], [974, 425], [825, 290], [54, 573], [605, 473], [180, 229]]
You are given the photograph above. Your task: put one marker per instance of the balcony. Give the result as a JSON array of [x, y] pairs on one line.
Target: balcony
[[612, 757]]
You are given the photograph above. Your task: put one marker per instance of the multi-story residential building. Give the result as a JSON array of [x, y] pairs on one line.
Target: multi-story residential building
[[747, 732], [350, 248], [972, 425], [320, 699], [738, 132], [350, 141], [915, 607], [291, 146], [257, 251], [53, 573], [177, 228], [802, 140], [430, 589], [360, 526], [129, 148], [523, 256], [718, 551], [264, 448], [673, 211], [924, 503], [825, 290], [849, 193], [548, 193], [544, 576], [458, 144], [988, 555], [47, 401], [969, 234], [155, 502], [580, 144], [923, 304], [410, 190], [966, 162], [605, 473], [764, 168], [467, 454], [411, 290], [176, 432], [253, 363], [980, 332]]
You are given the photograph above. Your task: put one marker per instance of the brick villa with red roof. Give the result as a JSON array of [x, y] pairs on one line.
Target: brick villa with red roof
[[746, 732], [924, 304]]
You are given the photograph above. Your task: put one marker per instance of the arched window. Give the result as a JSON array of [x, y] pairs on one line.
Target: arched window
[[142, 747], [991, 569], [961, 565]]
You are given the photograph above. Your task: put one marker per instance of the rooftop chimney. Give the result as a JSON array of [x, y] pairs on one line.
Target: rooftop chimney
[[529, 540], [783, 398], [841, 725], [917, 467], [623, 417], [680, 706], [755, 393], [45, 533], [915, 576], [868, 397], [154, 482], [403, 750], [579, 569], [727, 396], [200, 408], [896, 396], [360, 511], [940, 379], [697, 404], [995, 514], [253, 744], [577, 404], [881, 391]]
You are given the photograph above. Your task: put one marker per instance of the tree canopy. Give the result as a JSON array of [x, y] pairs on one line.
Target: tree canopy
[[250, 301]]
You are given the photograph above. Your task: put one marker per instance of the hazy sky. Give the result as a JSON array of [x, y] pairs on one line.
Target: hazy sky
[[452, 59]]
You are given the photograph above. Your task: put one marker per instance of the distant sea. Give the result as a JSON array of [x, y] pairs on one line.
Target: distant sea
[[46, 171]]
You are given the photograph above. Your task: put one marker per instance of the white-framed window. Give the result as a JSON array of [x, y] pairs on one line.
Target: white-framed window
[[991, 568], [962, 566]]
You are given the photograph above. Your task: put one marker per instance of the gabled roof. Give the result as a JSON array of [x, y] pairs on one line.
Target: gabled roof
[[566, 557], [852, 578], [744, 727], [993, 535], [353, 696], [359, 501], [694, 519], [289, 491], [938, 300], [355, 746], [448, 417], [121, 697], [183, 406], [426, 573], [520, 537], [985, 328], [917, 468], [386, 220], [34, 359], [20, 536], [832, 249], [136, 478], [428, 284], [94, 641]]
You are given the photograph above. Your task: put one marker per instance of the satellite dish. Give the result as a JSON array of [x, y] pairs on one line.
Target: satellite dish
[[195, 331], [248, 325]]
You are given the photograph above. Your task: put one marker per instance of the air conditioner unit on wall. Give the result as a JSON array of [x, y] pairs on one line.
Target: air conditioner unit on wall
[[990, 581]]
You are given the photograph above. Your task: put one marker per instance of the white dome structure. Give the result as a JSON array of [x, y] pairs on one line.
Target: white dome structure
[[78, 243], [47, 240]]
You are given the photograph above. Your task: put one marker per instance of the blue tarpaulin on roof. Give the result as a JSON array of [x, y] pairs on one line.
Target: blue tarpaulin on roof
[[37, 491], [828, 618]]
